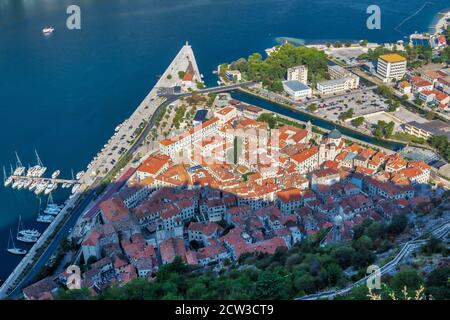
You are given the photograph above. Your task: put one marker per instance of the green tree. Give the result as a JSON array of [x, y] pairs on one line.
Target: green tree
[[432, 246], [389, 129], [304, 282], [364, 43], [343, 256], [398, 224], [270, 285], [75, 294], [407, 277], [312, 107], [438, 284], [358, 121]]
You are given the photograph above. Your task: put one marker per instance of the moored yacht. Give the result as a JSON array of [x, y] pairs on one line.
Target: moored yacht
[[75, 188], [45, 218], [8, 181], [79, 175], [50, 187], [48, 30], [33, 185], [15, 184], [20, 184], [14, 249], [56, 174], [30, 233]]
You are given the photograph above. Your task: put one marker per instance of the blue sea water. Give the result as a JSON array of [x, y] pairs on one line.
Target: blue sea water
[[65, 94]]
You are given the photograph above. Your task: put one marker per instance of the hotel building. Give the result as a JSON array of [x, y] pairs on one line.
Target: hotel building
[[391, 67], [299, 73]]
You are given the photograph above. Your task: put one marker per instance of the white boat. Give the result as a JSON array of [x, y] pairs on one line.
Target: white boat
[[33, 185], [50, 187], [15, 184], [79, 175], [52, 212], [20, 169], [27, 183], [30, 233], [27, 239], [75, 188], [52, 208], [45, 218], [56, 174], [20, 184], [25, 235], [41, 186], [48, 30], [14, 249], [8, 181]]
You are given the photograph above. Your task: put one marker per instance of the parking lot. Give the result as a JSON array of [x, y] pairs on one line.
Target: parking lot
[[362, 103]]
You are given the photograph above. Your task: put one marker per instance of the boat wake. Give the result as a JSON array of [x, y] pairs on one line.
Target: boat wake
[[397, 28]]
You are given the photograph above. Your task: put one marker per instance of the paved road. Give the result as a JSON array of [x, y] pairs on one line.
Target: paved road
[[49, 251], [216, 89], [438, 232], [70, 223]]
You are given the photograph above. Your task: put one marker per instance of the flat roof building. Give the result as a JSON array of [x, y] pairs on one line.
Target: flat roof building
[[296, 89], [428, 129], [299, 73], [391, 66], [337, 85]]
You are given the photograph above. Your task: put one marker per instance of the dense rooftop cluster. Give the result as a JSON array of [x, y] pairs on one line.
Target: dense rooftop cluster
[[281, 186]]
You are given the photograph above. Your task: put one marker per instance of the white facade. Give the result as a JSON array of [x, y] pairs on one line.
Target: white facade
[[391, 67], [299, 73], [338, 85], [297, 90]]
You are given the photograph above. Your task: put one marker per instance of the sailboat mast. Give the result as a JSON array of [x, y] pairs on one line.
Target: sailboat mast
[[12, 240], [39, 162], [19, 163], [18, 225]]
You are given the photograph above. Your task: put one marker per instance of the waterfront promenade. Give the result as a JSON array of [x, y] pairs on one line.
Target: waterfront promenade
[[438, 232], [75, 209], [43, 249]]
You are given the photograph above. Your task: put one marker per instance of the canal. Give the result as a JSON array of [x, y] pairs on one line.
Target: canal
[[304, 117]]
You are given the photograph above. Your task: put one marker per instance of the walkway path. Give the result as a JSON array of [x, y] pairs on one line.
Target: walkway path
[[438, 232]]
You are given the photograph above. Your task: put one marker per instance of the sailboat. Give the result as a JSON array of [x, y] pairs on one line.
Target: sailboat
[[52, 208], [13, 249], [6, 181], [40, 166], [20, 169], [28, 236]]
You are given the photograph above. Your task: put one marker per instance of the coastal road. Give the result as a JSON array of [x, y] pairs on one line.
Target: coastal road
[[217, 89], [51, 248], [154, 105]]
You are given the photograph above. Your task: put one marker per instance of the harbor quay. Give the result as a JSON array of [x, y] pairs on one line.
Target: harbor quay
[[99, 167]]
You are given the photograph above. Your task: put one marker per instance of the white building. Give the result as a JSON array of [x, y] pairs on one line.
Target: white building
[[391, 67], [338, 72], [299, 73], [338, 85], [296, 89], [233, 75], [176, 144]]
